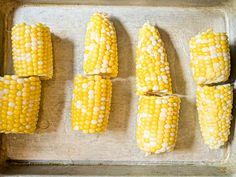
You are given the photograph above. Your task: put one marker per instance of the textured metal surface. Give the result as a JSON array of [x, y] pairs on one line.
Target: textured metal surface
[[56, 143]]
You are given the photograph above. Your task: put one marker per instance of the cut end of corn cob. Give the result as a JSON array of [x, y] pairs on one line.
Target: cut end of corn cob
[[32, 50], [210, 57], [100, 55], [214, 105], [152, 67], [19, 104], [157, 123], [91, 104]]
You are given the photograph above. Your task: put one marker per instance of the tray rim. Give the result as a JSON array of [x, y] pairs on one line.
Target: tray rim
[[227, 165]]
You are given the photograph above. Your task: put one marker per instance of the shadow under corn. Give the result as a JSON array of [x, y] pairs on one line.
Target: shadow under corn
[[122, 87], [232, 81], [52, 106], [1, 44], [126, 59], [232, 127], [187, 119], [53, 97]]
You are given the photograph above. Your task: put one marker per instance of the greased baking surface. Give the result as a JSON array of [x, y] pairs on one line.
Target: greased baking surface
[[68, 24]]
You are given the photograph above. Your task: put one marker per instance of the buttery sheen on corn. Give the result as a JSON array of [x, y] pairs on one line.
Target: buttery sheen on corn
[[157, 123], [100, 55], [32, 50], [91, 103], [214, 105], [19, 104], [210, 57], [152, 67]]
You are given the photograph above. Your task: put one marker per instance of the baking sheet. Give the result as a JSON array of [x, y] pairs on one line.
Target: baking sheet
[[55, 141]]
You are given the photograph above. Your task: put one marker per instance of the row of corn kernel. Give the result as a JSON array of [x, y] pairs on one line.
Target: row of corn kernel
[[20, 93], [210, 57], [210, 63], [100, 54], [92, 95], [158, 115], [32, 51], [91, 103], [157, 123], [214, 105], [152, 67], [19, 104]]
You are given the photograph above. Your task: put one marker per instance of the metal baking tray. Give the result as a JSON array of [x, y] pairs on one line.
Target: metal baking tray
[[55, 149]]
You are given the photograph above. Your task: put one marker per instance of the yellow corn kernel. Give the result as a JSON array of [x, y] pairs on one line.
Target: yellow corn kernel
[[91, 103], [100, 55], [19, 104], [32, 50], [152, 67], [157, 123], [214, 105], [210, 57]]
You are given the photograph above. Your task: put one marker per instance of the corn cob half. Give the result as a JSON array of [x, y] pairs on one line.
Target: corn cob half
[[100, 55], [32, 50], [91, 104], [210, 57], [214, 105], [157, 123], [152, 67], [19, 104]]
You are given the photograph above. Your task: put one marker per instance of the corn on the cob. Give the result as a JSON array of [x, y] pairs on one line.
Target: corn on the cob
[[32, 50], [19, 104], [91, 104], [100, 55], [152, 67], [157, 123], [210, 57], [214, 105]]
